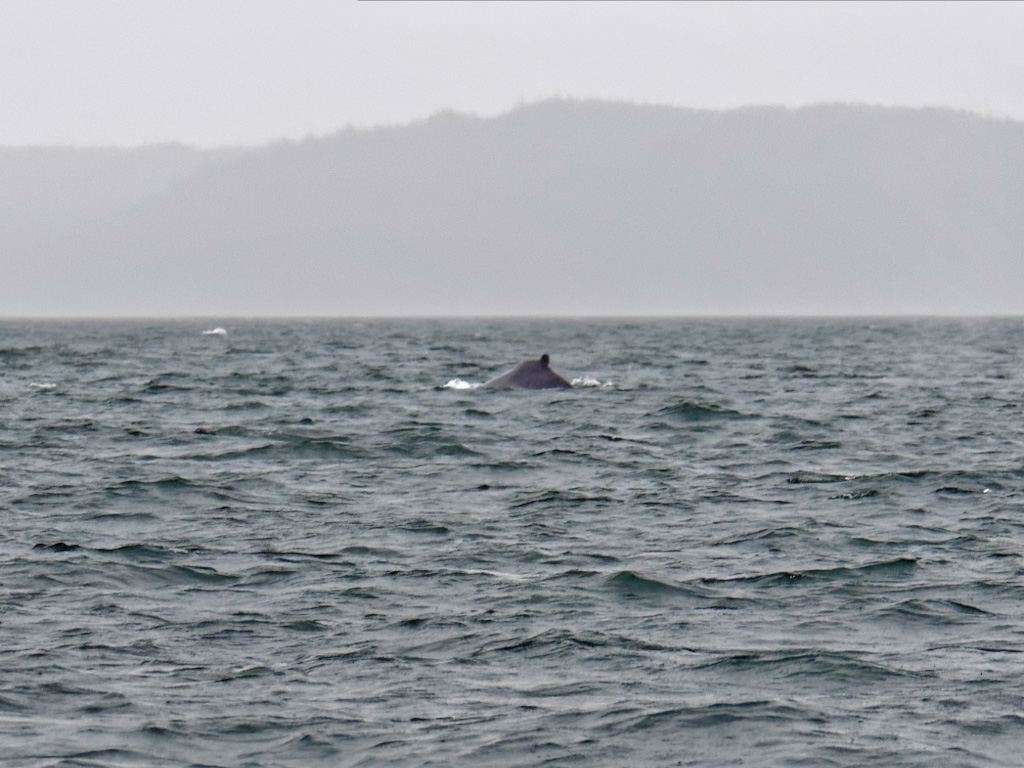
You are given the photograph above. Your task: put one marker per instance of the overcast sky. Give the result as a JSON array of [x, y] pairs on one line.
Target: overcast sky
[[216, 72]]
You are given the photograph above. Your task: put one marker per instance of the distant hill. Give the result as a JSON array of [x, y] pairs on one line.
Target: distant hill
[[561, 207]]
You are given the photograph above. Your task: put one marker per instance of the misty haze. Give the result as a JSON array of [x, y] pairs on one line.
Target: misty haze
[[557, 208]]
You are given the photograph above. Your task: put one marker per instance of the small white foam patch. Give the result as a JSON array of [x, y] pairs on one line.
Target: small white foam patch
[[460, 384], [38, 385], [589, 381], [218, 331]]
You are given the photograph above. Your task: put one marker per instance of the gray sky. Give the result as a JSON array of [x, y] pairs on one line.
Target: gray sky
[[215, 72]]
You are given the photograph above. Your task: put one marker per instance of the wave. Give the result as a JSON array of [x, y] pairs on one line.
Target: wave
[[934, 611], [422, 525], [943, 482], [563, 498], [171, 483], [422, 439], [847, 666], [761, 534], [892, 568], [633, 585], [16, 352], [58, 546], [817, 477], [284, 446], [157, 387], [96, 569], [563, 642], [108, 757], [693, 411], [294, 557], [711, 716]]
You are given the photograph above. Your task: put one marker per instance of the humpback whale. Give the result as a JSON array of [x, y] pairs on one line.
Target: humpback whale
[[533, 374]]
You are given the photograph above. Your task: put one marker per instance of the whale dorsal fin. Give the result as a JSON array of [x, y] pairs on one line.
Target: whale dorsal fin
[[533, 374]]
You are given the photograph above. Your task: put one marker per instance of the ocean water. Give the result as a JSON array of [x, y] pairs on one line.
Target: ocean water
[[738, 543]]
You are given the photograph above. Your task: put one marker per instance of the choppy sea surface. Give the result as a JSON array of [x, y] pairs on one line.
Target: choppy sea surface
[[316, 543]]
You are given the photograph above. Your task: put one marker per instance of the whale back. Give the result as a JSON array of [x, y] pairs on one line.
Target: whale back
[[533, 374]]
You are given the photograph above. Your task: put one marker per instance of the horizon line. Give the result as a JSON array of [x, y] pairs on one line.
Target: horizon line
[[569, 317]]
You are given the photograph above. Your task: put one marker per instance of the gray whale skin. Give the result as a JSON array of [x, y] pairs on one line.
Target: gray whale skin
[[533, 374]]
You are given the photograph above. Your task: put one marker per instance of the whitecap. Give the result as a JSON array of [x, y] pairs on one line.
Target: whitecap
[[496, 574], [589, 381], [460, 384], [38, 385], [218, 331]]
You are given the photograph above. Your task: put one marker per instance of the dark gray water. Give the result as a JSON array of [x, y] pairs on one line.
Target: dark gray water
[[793, 543]]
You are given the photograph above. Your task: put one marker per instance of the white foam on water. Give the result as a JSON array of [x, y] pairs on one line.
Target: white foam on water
[[218, 331], [39, 385], [460, 384], [589, 381]]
